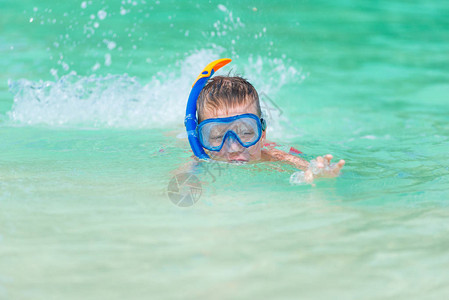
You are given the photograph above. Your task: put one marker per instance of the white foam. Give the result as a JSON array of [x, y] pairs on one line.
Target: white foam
[[369, 137], [298, 178], [121, 101]]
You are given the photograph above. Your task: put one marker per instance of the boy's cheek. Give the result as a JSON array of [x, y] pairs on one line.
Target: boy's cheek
[[255, 151], [252, 153]]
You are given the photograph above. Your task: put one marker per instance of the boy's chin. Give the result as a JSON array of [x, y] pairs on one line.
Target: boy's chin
[[232, 159], [237, 161], [237, 158]]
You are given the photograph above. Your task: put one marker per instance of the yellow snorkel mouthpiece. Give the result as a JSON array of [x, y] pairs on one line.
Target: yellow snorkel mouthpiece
[[213, 66]]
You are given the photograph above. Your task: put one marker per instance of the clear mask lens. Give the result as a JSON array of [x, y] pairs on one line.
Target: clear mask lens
[[246, 129]]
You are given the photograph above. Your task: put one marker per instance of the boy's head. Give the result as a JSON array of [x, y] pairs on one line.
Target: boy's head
[[227, 97]]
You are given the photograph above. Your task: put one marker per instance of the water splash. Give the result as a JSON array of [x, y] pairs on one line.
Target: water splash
[[121, 101]]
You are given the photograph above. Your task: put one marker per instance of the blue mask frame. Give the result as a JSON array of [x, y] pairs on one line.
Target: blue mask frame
[[230, 133]]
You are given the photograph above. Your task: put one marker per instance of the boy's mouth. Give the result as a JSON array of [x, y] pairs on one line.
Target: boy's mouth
[[237, 161], [237, 158]]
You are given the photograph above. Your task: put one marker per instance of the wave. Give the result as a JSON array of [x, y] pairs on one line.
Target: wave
[[121, 101]]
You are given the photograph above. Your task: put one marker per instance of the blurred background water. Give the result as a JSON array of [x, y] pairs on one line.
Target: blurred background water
[[92, 98]]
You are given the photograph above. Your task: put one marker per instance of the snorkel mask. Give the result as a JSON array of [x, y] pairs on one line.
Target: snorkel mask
[[213, 134], [245, 129]]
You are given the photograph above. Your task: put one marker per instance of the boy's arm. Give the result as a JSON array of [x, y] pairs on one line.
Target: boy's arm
[[278, 155], [321, 167]]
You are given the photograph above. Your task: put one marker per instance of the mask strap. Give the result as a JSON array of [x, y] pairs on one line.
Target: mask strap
[[263, 123]]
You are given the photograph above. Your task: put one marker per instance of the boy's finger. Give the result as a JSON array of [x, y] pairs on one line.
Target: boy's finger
[[320, 162], [328, 157], [341, 163]]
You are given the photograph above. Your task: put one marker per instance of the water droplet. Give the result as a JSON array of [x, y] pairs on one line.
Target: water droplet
[[102, 14], [107, 59], [96, 67], [222, 7]]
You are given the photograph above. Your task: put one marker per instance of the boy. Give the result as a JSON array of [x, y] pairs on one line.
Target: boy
[[231, 127]]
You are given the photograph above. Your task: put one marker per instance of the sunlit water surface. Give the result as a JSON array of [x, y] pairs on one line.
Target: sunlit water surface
[[92, 97]]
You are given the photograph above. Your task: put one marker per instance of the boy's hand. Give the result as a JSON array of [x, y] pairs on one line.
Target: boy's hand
[[322, 167]]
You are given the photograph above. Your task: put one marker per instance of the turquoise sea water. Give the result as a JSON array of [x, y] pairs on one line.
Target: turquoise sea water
[[92, 97]]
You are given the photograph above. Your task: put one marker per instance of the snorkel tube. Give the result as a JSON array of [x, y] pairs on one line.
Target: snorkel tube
[[190, 120]]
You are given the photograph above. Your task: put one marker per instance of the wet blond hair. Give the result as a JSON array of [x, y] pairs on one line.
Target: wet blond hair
[[227, 92]]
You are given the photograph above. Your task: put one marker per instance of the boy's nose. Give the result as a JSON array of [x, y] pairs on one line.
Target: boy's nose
[[232, 145]]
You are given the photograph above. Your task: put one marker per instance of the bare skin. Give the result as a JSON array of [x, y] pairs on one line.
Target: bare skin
[[237, 153]]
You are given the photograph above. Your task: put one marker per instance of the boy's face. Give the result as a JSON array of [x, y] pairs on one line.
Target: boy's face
[[232, 151]]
